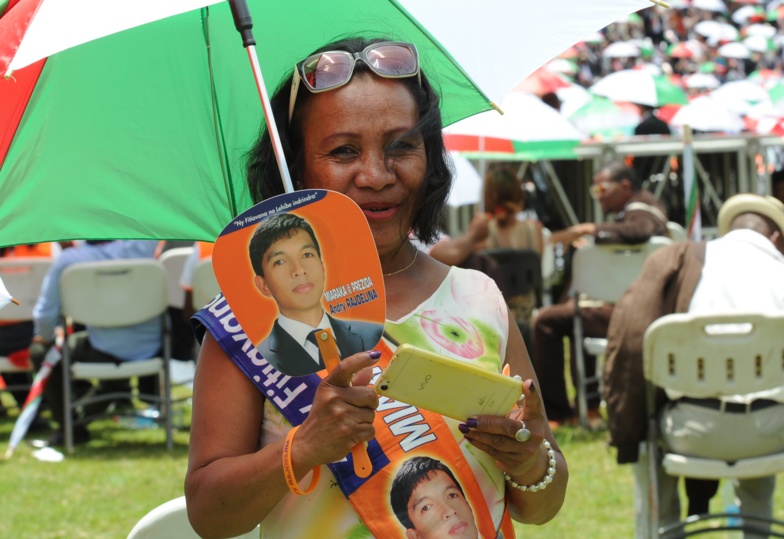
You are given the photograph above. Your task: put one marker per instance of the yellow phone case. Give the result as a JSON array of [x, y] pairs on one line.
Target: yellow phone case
[[447, 386]]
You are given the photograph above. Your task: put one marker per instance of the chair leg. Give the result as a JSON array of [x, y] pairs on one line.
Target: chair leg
[[579, 359], [652, 454], [167, 404], [67, 425]]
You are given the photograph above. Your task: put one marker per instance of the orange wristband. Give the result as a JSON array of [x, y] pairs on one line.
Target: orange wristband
[[288, 468]]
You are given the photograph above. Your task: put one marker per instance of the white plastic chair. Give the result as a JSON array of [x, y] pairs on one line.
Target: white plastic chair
[[174, 260], [23, 278], [548, 266], [677, 232], [710, 356], [601, 273], [170, 521], [205, 284], [115, 293]]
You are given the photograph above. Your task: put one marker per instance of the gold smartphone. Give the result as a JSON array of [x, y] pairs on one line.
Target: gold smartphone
[[446, 386]]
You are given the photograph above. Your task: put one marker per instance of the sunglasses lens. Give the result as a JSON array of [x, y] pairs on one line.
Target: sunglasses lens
[[393, 60], [324, 71]]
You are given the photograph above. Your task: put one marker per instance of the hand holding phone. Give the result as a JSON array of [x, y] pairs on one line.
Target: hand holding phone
[[446, 386]]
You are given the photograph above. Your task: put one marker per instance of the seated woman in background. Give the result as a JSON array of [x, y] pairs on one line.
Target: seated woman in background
[[505, 199]]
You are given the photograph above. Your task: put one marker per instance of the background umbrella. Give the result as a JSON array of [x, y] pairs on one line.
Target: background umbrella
[[684, 49], [621, 49], [718, 31], [542, 81], [709, 115], [528, 130], [466, 183], [34, 397], [702, 81], [765, 77], [639, 86], [717, 6], [604, 119], [142, 134], [740, 95], [5, 297], [734, 50], [760, 43], [572, 98]]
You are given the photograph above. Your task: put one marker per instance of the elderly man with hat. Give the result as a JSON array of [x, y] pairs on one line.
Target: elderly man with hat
[[741, 270]]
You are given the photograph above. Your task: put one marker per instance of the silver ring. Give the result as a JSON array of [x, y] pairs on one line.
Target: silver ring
[[523, 435]]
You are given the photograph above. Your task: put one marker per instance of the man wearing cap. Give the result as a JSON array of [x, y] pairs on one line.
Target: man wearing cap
[[638, 217], [739, 271]]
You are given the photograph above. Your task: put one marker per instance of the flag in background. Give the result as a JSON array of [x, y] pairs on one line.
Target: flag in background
[[690, 191]]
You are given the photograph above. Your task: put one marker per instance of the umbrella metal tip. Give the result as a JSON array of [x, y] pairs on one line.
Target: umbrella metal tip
[[15, 301]]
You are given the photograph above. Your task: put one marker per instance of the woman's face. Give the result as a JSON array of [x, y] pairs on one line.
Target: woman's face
[[351, 144]]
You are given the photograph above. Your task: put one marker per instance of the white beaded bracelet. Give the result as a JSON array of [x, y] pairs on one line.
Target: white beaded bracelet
[[541, 485]]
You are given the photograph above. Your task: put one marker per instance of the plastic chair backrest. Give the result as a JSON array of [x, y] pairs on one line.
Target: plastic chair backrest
[[520, 270], [23, 278], [708, 356], [604, 271], [170, 520], [174, 260], [113, 293], [677, 232], [548, 255], [205, 284]]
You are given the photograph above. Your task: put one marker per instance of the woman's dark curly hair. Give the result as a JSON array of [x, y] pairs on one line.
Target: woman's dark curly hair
[[264, 178]]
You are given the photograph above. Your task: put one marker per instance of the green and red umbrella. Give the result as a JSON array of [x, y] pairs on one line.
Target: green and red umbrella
[[606, 119], [143, 133], [529, 130]]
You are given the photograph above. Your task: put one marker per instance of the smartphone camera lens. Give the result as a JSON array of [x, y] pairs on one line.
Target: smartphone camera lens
[[384, 387]]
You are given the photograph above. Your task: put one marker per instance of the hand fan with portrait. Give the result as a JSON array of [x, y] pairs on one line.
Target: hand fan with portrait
[[297, 263]]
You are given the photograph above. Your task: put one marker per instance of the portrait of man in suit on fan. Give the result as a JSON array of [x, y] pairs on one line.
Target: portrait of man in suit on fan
[[288, 266]]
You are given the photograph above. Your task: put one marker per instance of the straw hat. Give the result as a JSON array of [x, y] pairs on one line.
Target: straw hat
[[770, 207]]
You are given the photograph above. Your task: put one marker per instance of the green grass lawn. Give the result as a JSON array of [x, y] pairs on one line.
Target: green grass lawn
[[111, 482]]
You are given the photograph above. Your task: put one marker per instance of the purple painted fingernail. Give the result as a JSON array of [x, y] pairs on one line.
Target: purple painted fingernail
[[472, 423], [462, 428], [532, 387], [374, 354]]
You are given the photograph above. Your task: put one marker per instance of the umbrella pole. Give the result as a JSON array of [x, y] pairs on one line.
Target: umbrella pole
[[244, 24]]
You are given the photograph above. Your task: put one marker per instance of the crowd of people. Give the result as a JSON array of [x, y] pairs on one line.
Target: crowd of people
[[699, 46]]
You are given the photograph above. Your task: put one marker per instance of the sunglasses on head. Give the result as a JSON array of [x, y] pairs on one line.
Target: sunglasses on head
[[325, 71], [599, 189]]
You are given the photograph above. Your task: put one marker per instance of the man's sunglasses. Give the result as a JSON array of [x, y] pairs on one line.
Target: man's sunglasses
[[598, 189], [332, 69]]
